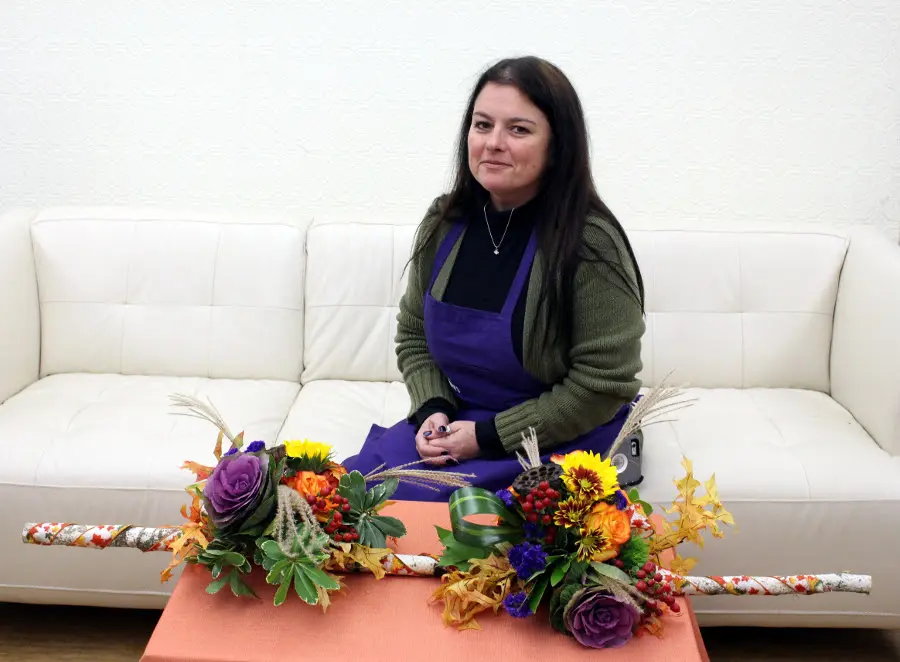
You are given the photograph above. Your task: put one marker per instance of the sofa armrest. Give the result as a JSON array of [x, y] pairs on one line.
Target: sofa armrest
[[865, 350], [20, 316]]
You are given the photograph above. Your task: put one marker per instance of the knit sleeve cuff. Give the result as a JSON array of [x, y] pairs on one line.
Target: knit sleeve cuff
[[431, 407], [489, 439], [513, 423]]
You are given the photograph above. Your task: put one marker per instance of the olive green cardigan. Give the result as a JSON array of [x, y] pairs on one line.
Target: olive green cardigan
[[588, 379]]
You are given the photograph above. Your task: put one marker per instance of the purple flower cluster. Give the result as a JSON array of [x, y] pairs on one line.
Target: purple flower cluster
[[621, 500], [516, 605], [527, 558], [254, 447], [507, 498]]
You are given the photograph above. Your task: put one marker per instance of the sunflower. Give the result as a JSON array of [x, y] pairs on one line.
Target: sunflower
[[589, 477], [570, 514], [308, 455], [595, 546]]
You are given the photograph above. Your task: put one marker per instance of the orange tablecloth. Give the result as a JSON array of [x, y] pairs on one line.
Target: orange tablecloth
[[387, 620]]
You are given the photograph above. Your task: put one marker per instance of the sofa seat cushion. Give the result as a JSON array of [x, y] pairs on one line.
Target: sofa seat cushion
[[771, 444], [341, 413], [805, 482], [106, 449]]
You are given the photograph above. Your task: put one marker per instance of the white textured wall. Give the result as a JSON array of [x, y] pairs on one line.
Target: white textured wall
[[699, 110]]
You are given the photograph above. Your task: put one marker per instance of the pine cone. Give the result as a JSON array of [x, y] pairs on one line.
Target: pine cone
[[529, 480]]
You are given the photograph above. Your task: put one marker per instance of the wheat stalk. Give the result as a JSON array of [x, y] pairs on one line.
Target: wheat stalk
[[532, 451], [655, 403], [206, 411]]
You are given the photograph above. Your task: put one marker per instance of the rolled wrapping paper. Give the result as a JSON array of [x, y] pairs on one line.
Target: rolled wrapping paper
[[157, 539], [790, 585], [101, 536]]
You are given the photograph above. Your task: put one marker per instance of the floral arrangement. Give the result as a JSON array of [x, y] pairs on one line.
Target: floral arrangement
[[289, 509], [567, 537]]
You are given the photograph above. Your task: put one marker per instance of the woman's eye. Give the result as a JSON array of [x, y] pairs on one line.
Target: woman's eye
[[481, 125], [519, 130]]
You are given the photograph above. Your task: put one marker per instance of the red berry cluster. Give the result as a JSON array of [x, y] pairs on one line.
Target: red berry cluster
[[539, 506], [324, 503], [654, 584]]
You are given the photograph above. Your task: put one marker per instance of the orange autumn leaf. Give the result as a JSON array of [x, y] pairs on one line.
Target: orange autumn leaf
[[200, 470]]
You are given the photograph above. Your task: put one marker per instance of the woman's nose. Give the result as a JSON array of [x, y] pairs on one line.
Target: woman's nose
[[496, 140]]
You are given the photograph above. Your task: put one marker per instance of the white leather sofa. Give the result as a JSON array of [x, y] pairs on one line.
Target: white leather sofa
[[789, 338]]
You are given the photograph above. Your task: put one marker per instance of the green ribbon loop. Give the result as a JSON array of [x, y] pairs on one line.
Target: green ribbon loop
[[478, 501]]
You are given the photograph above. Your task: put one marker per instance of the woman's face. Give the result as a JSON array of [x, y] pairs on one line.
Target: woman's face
[[509, 142]]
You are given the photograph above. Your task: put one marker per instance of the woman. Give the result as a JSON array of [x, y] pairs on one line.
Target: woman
[[524, 303]]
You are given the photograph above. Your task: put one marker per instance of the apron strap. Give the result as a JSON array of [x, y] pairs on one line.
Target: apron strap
[[515, 290], [444, 251]]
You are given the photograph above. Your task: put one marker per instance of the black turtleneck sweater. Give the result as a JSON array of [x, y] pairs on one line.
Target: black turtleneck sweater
[[482, 280]]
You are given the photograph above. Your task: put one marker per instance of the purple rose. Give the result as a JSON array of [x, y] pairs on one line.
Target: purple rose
[[235, 488], [597, 619]]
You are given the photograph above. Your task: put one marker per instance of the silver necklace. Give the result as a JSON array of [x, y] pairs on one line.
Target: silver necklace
[[497, 244]]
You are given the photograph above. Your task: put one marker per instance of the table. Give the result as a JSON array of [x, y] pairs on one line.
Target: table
[[387, 620]]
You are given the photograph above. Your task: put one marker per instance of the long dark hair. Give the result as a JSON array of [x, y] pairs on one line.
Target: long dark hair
[[567, 193]]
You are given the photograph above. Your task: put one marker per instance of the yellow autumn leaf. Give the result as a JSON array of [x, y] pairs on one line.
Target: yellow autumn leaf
[[368, 557], [217, 451], [694, 514], [466, 594], [682, 566]]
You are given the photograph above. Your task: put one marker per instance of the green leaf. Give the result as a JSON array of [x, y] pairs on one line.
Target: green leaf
[[457, 554], [276, 574], [304, 586], [633, 494], [239, 588], [272, 550], [390, 486], [576, 571], [369, 535], [352, 486], [262, 514], [216, 586], [217, 569], [537, 593], [281, 593], [648, 509], [233, 558], [610, 571], [389, 526], [321, 578], [559, 571], [477, 501]]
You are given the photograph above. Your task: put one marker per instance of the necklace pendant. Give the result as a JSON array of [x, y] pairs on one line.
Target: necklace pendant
[[496, 251]]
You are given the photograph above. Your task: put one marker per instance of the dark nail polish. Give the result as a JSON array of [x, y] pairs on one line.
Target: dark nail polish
[[426, 434], [452, 462], [445, 452], [443, 428]]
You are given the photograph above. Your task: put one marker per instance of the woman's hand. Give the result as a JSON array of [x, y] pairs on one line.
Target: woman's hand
[[433, 428], [461, 443]]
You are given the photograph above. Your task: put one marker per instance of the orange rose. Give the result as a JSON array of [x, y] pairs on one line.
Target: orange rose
[[614, 523], [309, 484]]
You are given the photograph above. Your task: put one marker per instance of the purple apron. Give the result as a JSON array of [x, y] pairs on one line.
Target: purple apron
[[474, 350]]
